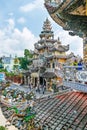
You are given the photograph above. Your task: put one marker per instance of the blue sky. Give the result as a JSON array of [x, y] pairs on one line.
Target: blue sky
[[21, 22]]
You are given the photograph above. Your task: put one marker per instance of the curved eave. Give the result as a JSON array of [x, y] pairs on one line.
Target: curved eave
[[46, 34], [67, 11], [42, 41], [54, 15], [77, 7], [56, 56], [55, 11], [62, 57], [35, 53], [49, 57], [34, 69], [51, 40], [58, 20], [27, 73], [39, 48], [49, 75], [59, 50], [70, 55]]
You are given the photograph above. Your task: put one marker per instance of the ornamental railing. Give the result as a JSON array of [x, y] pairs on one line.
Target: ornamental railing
[[50, 70], [75, 77], [76, 86], [75, 73], [56, 1]]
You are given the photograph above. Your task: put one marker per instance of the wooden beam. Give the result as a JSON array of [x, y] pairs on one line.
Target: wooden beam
[[86, 7]]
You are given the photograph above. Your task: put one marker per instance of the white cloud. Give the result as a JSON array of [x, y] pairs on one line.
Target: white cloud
[[32, 6], [15, 41], [1, 34], [24, 39], [21, 20], [28, 7], [9, 28], [76, 43], [11, 23]]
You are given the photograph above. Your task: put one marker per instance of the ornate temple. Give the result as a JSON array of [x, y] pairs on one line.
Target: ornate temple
[[72, 16], [65, 110], [49, 55]]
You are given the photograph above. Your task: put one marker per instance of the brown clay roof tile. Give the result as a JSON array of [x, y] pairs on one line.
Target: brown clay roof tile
[[64, 112]]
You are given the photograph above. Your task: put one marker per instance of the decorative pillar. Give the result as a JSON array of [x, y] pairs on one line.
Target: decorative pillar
[[85, 48], [38, 80], [22, 80], [28, 80], [25, 82], [31, 80]]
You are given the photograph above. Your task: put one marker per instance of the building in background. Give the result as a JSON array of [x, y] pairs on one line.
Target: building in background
[[10, 64]]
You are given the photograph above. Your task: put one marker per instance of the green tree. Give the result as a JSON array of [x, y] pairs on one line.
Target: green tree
[[2, 128], [27, 54], [26, 60], [24, 63]]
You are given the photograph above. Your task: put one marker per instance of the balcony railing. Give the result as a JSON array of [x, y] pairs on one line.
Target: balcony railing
[[75, 77], [75, 73], [77, 86], [50, 70], [38, 63]]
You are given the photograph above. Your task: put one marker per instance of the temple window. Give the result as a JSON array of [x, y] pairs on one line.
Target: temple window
[[48, 65], [53, 65]]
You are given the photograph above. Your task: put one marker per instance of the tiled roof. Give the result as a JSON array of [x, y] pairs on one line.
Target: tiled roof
[[64, 112], [48, 75]]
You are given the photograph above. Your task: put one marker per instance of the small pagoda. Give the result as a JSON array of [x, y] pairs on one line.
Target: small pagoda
[[49, 55]]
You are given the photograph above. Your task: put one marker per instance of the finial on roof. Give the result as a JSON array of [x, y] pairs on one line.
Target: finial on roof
[[58, 39]]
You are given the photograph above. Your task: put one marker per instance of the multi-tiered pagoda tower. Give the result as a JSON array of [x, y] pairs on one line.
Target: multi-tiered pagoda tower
[[49, 54], [72, 16]]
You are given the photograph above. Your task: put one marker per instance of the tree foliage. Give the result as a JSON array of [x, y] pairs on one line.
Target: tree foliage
[[26, 60], [27, 54], [2, 128], [24, 63]]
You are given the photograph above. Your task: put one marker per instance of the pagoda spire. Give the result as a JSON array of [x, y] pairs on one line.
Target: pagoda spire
[[47, 32], [47, 25]]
